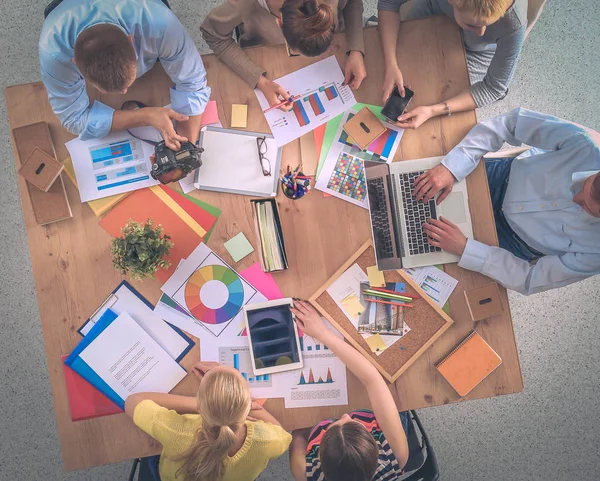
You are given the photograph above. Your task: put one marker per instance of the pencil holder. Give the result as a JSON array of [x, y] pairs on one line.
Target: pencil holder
[[295, 185]]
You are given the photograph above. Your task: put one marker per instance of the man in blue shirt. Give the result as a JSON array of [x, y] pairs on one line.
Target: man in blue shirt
[[546, 201], [107, 44]]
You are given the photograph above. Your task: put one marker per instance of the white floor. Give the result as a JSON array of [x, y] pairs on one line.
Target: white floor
[[548, 432]]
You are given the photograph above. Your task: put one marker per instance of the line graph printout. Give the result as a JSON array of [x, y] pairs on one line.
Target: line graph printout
[[320, 96]]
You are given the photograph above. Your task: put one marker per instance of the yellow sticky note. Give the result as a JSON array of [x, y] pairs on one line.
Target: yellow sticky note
[[352, 305], [376, 343], [239, 116], [376, 278]]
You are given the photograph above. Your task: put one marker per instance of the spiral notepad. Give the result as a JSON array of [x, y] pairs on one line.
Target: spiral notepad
[[468, 364]]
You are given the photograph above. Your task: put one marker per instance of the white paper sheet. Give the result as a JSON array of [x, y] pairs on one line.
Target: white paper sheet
[[342, 174], [130, 361], [115, 164], [321, 97], [322, 379], [124, 300], [435, 282]]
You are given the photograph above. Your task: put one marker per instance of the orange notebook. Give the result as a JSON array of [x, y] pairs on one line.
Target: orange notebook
[[468, 364]]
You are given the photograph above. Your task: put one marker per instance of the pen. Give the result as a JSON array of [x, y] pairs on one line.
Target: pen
[[391, 303], [394, 292], [291, 99]]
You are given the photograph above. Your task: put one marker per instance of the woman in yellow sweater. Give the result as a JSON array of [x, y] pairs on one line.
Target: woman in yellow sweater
[[219, 435]]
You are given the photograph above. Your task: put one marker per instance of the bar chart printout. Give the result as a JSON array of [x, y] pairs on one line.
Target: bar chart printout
[[239, 358], [435, 282]]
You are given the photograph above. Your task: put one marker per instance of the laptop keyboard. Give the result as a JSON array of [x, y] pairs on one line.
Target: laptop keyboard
[[415, 213], [379, 219]]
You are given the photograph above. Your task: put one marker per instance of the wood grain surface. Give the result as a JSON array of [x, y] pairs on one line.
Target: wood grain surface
[[72, 263]]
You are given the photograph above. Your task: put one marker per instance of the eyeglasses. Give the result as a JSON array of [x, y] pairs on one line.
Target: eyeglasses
[[265, 164]]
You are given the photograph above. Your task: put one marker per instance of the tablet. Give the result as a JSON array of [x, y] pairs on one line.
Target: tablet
[[273, 337]]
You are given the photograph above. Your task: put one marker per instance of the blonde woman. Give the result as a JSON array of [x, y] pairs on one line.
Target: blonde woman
[[209, 437]]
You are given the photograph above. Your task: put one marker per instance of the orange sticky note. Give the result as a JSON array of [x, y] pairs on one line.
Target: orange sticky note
[[239, 116], [376, 278]]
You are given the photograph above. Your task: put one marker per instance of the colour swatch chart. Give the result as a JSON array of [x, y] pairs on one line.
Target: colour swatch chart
[[115, 164], [322, 379], [344, 177], [320, 96], [210, 291], [435, 282]]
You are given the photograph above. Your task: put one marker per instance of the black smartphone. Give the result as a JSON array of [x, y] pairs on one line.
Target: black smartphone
[[396, 105]]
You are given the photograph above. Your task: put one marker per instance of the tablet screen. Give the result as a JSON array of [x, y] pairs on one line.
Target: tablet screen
[[273, 336]]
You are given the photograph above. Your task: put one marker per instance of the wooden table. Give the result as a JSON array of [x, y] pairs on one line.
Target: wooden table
[[72, 264]]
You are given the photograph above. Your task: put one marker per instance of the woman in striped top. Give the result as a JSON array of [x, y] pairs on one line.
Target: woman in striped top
[[361, 445]]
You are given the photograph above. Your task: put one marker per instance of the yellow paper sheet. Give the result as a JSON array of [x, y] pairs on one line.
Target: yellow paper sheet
[[376, 343], [353, 305], [239, 116], [376, 278]]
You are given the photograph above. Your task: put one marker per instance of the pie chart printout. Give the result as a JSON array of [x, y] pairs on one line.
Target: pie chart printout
[[214, 294]]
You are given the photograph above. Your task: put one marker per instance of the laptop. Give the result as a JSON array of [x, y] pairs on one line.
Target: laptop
[[397, 217]]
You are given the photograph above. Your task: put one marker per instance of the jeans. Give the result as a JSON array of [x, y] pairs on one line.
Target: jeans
[[498, 173]]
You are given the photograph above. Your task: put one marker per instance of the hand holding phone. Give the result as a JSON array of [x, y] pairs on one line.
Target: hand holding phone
[[396, 105]]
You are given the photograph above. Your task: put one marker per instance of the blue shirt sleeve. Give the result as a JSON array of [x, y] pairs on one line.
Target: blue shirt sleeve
[[179, 57], [69, 99]]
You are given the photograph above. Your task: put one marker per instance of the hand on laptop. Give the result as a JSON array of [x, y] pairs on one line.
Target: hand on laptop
[[445, 235], [438, 179]]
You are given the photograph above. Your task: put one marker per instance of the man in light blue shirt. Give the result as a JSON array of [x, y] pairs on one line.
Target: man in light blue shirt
[[107, 44], [546, 201]]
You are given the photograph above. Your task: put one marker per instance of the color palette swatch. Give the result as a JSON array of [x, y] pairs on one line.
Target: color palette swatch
[[379, 150], [198, 294], [348, 177]]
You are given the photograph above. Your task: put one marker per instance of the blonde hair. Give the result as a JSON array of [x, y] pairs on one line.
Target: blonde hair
[[483, 9], [223, 403]]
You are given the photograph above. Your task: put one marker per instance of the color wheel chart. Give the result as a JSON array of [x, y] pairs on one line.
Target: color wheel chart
[[214, 294], [378, 151], [314, 100]]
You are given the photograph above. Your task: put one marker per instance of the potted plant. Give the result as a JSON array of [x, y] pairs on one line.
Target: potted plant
[[140, 251]]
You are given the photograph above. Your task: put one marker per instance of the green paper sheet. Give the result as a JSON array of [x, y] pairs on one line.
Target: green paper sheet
[[211, 209], [332, 127]]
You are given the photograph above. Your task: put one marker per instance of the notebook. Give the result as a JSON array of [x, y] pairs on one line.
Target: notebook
[[269, 235], [468, 364], [85, 401]]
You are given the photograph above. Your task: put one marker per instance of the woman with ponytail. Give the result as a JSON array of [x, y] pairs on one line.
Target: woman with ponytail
[[306, 26], [219, 435]]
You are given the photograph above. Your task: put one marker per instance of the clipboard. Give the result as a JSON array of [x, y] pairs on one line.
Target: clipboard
[[126, 299], [230, 162]]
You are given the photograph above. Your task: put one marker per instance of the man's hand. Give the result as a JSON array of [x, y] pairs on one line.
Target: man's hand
[[161, 119], [200, 368], [428, 184], [415, 118], [354, 71], [190, 129], [275, 93], [445, 235], [393, 78]]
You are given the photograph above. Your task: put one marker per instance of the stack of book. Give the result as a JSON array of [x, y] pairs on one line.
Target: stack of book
[[269, 235]]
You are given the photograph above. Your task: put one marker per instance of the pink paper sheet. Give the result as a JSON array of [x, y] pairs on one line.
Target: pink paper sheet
[[211, 113], [263, 281]]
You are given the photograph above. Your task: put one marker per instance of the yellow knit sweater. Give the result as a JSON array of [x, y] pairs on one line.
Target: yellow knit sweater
[[264, 441]]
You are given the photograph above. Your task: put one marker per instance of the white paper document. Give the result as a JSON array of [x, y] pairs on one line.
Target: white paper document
[[124, 300], [435, 282], [322, 379], [320, 94], [115, 164], [130, 361]]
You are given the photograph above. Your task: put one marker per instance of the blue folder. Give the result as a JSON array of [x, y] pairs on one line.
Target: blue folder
[[84, 370]]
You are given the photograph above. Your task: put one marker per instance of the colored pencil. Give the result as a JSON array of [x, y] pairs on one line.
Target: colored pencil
[[394, 292], [400, 304], [386, 295]]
